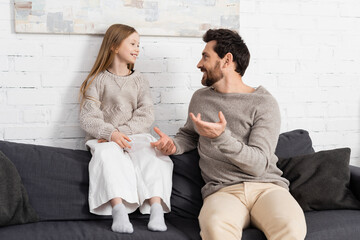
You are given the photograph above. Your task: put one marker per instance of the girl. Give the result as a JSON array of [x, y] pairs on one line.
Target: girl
[[116, 112]]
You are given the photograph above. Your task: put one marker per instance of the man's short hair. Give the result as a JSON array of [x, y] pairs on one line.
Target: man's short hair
[[228, 41]]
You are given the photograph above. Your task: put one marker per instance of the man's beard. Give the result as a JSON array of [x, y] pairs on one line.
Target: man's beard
[[212, 75]]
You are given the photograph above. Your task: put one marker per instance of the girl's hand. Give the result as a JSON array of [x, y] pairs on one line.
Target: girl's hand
[[102, 140], [121, 139]]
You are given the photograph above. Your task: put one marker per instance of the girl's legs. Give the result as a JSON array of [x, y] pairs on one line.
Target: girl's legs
[[157, 221], [112, 188], [121, 222], [154, 179]]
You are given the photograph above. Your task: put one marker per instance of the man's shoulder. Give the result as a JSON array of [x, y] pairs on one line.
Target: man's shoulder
[[201, 92], [264, 94], [264, 100]]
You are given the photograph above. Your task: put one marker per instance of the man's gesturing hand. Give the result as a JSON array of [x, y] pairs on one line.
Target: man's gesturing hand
[[208, 129], [165, 144]]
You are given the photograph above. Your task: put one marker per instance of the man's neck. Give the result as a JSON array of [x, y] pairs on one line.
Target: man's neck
[[232, 83]]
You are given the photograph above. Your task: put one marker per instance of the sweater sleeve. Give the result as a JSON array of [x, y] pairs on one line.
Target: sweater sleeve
[[143, 116], [253, 157], [187, 138], [91, 117]]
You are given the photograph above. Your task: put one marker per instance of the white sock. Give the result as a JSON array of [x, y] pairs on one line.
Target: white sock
[[121, 222], [157, 221]]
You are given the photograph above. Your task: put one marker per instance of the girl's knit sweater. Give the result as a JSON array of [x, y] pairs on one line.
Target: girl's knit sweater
[[117, 102]]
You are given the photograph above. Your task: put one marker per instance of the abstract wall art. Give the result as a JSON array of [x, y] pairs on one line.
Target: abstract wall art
[[149, 17]]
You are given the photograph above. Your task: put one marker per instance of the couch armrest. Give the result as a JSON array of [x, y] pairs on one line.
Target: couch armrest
[[355, 180]]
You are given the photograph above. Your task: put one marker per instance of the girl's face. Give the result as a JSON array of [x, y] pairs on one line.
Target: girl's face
[[128, 50]]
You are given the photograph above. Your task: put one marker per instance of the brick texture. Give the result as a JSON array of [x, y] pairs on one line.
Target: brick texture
[[305, 52]]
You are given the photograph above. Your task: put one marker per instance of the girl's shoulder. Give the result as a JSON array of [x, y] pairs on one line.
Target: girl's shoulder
[[138, 77], [100, 78]]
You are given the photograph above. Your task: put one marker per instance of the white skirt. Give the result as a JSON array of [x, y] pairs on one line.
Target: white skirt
[[135, 175]]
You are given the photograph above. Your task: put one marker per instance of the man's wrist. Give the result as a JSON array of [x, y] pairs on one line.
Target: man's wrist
[[222, 137]]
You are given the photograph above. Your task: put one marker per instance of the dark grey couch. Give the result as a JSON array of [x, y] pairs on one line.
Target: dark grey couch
[[56, 181]]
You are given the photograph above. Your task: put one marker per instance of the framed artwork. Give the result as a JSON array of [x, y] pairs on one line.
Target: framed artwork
[[150, 17]]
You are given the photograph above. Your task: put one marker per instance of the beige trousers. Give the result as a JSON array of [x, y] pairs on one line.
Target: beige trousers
[[268, 207]]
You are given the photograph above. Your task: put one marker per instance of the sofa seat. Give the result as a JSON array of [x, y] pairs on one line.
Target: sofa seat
[[320, 226], [86, 230], [329, 225], [333, 224]]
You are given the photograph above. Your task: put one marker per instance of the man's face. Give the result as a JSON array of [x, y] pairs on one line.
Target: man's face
[[210, 65]]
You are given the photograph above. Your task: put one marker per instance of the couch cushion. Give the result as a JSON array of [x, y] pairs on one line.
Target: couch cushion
[[322, 225], [14, 201], [294, 143], [320, 181], [87, 230], [333, 224], [189, 226], [55, 179], [186, 199]]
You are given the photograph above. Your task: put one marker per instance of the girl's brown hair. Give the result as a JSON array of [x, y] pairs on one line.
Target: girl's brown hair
[[114, 36]]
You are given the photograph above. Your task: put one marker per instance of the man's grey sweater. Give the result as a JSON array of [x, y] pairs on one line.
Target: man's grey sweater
[[245, 151]]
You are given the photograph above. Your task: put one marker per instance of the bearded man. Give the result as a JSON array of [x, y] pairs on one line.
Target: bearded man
[[236, 128]]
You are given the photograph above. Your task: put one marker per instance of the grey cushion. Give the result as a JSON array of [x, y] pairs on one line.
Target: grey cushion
[[320, 181], [294, 143], [14, 201], [55, 179]]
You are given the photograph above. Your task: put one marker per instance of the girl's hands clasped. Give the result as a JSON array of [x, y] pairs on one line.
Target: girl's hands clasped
[[121, 139]]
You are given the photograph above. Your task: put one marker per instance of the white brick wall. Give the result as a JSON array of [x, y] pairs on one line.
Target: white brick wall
[[305, 52]]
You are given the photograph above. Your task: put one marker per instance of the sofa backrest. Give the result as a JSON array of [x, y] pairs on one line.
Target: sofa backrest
[[57, 179]]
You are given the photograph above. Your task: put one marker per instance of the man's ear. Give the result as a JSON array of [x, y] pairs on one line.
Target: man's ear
[[228, 59]]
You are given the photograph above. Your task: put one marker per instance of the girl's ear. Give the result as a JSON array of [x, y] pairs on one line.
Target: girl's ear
[[116, 50]]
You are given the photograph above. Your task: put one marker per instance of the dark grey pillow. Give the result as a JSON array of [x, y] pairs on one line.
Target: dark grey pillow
[[14, 202], [320, 181], [294, 143], [55, 179]]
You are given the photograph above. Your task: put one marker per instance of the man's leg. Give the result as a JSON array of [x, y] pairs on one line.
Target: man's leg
[[278, 215], [223, 215]]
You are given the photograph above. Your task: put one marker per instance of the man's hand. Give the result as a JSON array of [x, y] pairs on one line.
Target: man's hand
[[121, 139], [208, 129], [165, 144]]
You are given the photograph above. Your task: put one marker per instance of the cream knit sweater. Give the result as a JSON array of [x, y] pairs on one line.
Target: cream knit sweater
[[245, 151], [117, 102]]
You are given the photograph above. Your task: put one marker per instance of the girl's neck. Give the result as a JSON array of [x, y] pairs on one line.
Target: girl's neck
[[119, 70]]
